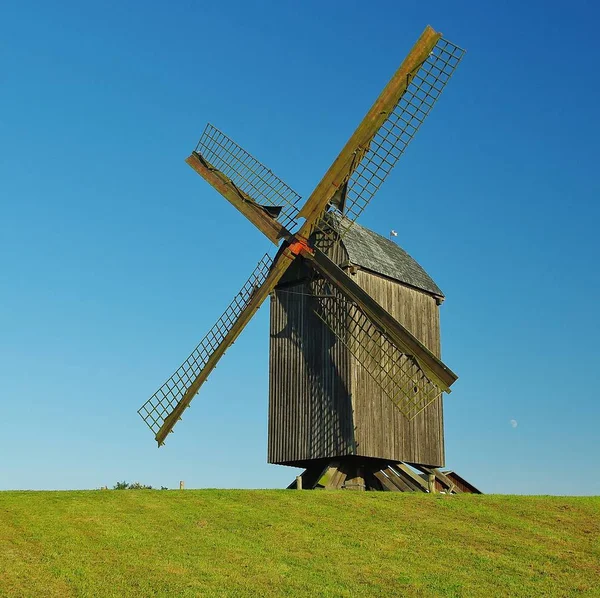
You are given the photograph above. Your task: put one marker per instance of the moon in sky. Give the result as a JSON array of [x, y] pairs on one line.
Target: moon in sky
[[514, 423]]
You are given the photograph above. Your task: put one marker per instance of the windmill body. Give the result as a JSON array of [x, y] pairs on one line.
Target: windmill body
[[356, 378], [322, 403]]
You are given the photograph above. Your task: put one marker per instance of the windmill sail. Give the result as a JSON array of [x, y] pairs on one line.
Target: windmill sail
[[382, 136], [252, 179], [164, 408], [426, 83]]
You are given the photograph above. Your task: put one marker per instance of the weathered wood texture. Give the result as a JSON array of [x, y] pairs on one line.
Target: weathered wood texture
[[365, 473], [322, 404], [270, 227], [310, 411], [460, 484], [381, 430]]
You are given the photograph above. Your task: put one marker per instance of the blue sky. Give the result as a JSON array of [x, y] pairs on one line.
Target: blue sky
[[115, 258]]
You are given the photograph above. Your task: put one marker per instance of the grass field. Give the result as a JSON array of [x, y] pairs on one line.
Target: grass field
[[290, 543]]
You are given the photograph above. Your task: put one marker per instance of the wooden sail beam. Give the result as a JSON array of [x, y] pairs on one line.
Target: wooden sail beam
[[349, 157], [262, 292], [435, 369], [269, 226]]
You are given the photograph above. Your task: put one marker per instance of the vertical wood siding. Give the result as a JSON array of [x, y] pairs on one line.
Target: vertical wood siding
[[310, 412], [381, 430], [322, 404]]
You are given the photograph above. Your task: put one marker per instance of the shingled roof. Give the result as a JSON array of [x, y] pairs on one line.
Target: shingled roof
[[373, 252]]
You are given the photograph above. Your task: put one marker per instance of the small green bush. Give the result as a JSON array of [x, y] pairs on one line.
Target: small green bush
[[135, 486]]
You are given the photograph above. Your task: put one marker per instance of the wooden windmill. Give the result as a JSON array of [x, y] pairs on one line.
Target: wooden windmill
[[355, 372]]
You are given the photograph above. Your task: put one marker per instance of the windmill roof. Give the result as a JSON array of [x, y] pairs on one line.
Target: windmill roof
[[369, 250]]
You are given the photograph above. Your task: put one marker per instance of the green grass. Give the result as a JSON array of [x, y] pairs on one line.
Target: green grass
[[290, 543]]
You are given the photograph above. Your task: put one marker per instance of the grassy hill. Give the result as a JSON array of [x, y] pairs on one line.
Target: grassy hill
[[290, 543]]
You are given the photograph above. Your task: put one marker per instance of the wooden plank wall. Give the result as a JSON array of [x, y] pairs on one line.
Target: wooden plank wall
[[310, 410], [322, 404], [381, 430]]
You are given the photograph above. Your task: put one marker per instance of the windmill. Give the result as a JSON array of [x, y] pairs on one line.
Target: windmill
[[354, 394]]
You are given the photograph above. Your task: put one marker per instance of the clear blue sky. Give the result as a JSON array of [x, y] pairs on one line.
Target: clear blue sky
[[116, 258]]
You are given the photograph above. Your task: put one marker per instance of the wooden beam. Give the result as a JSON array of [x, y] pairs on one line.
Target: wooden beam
[[385, 482], [410, 477], [312, 475], [358, 144], [415, 477], [461, 483], [269, 226], [397, 480], [435, 369], [431, 482], [371, 482], [355, 481], [334, 477], [446, 482]]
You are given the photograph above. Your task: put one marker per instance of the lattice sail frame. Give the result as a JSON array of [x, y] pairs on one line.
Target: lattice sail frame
[[391, 140], [248, 174], [398, 375], [156, 409]]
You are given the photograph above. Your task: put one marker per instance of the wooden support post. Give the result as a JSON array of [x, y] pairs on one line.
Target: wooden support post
[[334, 476], [181, 485], [356, 480], [447, 484], [352, 473], [431, 482]]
